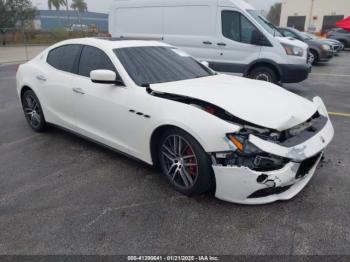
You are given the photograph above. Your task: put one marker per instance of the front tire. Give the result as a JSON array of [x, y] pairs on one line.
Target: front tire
[[185, 164], [313, 57], [264, 73], [33, 111]]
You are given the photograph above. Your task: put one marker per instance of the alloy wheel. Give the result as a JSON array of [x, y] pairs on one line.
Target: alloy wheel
[[32, 111], [312, 58], [179, 161]]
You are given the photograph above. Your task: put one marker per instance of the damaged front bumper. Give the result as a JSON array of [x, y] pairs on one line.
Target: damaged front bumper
[[240, 184]]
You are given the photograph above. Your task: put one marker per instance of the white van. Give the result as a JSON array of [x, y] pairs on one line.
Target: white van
[[230, 34]]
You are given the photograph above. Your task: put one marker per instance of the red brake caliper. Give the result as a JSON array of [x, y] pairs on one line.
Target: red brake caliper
[[193, 169]]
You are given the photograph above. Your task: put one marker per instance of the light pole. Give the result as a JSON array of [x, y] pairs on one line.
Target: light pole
[[68, 16], [311, 13], [37, 5]]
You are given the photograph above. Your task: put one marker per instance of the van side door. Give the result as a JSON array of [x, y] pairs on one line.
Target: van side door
[[235, 50], [191, 27]]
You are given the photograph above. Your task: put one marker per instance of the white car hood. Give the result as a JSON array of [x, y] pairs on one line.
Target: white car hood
[[260, 103]]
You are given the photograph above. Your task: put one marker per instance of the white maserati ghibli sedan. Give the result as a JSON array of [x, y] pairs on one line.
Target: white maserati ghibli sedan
[[251, 142]]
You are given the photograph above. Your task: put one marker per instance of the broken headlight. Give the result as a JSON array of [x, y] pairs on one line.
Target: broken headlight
[[246, 154], [242, 144]]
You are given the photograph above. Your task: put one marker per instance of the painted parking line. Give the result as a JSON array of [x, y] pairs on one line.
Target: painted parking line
[[339, 114], [321, 74]]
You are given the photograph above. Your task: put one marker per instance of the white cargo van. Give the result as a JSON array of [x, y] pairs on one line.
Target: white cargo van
[[230, 34]]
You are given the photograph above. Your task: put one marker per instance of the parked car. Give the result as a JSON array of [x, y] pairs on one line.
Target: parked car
[[336, 46], [78, 28], [251, 141], [320, 51], [341, 35], [230, 34]]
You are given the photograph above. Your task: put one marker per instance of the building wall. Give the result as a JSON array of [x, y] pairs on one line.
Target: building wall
[[314, 10], [49, 20]]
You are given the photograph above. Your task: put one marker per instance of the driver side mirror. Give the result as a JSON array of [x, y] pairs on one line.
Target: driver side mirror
[[105, 77], [259, 39]]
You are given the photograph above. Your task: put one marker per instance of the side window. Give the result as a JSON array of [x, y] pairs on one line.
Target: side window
[[247, 29], [64, 57], [287, 33], [93, 58], [231, 25], [237, 27]]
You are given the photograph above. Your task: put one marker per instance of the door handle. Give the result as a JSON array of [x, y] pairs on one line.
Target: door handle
[[41, 78], [221, 44], [78, 91], [207, 43]]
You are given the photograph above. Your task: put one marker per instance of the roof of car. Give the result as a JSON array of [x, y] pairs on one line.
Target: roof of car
[[112, 43]]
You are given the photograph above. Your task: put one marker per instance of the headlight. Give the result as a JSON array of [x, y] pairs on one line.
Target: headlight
[[325, 47], [249, 155], [242, 144], [293, 50]]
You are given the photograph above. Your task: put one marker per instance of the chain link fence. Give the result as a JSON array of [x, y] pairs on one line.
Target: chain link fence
[[18, 45]]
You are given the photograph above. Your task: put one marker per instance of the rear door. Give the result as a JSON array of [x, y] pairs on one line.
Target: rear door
[[234, 48], [57, 84]]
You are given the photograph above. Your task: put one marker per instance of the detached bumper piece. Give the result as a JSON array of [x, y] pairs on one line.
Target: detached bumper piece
[[284, 168], [304, 169], [244, 186]]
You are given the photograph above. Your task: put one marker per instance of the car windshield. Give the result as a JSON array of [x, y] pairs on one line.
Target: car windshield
[[158, 64], [307, 36], [269, 27]]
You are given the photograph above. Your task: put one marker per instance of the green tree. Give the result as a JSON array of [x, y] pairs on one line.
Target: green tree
[[80, 6], [15, 13], [56, 4], [274, 14]]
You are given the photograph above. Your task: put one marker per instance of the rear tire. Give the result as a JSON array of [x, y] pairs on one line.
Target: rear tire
[[184, 163], [33, 111], [264, 73]]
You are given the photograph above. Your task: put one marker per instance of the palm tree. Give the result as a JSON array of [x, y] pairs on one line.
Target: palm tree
[[80, 6], [56, 4]]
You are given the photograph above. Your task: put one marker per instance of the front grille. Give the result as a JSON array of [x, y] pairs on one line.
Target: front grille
[[299, 134], [307, 165]]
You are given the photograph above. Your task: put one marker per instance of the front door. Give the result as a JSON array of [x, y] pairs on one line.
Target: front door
[[101, 109], [234, 48]]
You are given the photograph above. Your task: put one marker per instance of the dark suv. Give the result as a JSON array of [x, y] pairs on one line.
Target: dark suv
[[320, 50], [341, 35]]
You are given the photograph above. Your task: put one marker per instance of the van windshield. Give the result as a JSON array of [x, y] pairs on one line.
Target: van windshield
[[158, 64], [269, 27]]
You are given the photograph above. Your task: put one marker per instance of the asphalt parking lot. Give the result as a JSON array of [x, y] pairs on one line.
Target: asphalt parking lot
[[60, 194]]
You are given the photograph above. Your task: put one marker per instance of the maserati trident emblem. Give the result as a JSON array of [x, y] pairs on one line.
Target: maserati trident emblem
[[322, 139]]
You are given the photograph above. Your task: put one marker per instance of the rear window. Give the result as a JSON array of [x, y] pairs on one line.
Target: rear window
[[157, 64], [64, 57]]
